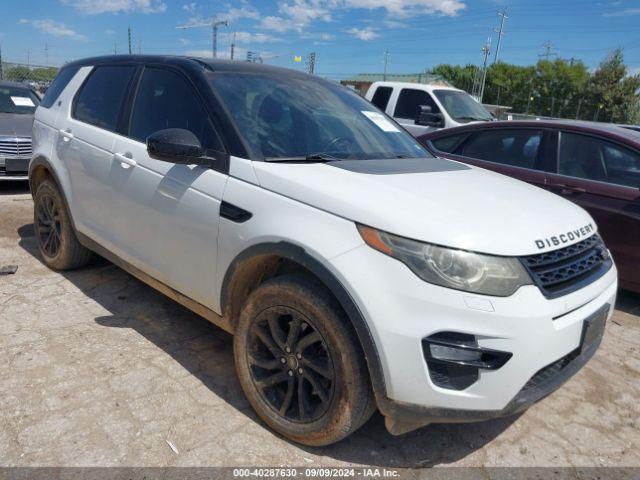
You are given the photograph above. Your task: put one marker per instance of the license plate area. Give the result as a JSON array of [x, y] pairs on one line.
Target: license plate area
[[16, 165], [593, 328]]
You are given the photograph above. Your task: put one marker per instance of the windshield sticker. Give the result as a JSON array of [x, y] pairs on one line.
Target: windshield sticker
[[22, 102], [381, 121]]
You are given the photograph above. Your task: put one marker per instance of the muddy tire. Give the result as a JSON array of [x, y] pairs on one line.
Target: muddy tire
[[57, 242], [300, 364]]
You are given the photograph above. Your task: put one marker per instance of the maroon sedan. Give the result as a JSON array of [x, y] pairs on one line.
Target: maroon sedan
[[595, 166]]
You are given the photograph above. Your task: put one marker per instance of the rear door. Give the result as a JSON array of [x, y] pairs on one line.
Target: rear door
[[85, 144], [167, 215], [406, 108], [516, 152], [603, 177]]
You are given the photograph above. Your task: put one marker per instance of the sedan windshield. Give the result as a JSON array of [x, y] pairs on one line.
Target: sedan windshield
[[300, 117], [17, 100], [461, 106]]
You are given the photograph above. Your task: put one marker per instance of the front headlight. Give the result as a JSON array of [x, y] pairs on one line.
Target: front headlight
[[447, 267]]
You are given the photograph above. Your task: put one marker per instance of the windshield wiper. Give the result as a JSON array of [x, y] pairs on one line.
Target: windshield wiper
[[312, 157]]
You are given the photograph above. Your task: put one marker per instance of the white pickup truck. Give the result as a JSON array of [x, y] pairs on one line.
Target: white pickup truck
[[420, 107]]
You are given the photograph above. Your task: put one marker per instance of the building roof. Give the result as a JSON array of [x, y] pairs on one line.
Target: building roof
[[424, 77]]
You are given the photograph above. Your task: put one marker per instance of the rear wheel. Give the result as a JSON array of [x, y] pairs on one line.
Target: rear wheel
[[56, 239], [300, 364]]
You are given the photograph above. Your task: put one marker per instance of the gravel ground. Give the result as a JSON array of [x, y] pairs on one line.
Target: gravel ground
[[97, 369]]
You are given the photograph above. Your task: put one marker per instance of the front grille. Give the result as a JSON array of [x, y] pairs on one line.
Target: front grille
[[568, 269], [15, 146]]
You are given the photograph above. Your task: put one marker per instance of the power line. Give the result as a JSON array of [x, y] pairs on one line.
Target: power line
[[503, 16], [311, 62], [548, 47], [386, 62], [214, 24]]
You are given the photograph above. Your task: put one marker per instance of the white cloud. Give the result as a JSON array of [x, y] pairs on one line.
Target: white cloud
[[237, 13], [298, 14], [623, 13], [632, 71], [246, 37], [189, 7], [406, 8], [184, 41], [92, 7], [53, 28], [364, 34], [110, 32]]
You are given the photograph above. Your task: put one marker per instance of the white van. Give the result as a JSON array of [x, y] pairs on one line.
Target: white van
[[420, 107]]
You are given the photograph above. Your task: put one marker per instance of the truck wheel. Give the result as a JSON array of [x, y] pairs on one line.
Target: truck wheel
[[300, 364], [56, 239]]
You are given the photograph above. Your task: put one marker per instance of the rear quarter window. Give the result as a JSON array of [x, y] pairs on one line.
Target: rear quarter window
[[59, 83], [448, 144], [381, 97]]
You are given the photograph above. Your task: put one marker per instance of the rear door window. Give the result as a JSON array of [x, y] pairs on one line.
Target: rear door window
[[409, 100], [517, 148], [59, 83], [102, 95], [166, 100], [593, 158], [381, 97]]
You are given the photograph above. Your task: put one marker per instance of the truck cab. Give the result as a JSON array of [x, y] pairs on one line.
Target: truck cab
[[421, 108]]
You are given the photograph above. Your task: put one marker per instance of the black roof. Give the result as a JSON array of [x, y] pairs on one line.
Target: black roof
[[214, 65]]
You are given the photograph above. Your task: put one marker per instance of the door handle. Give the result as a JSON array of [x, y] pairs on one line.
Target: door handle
[[125, 160], [66, 133]]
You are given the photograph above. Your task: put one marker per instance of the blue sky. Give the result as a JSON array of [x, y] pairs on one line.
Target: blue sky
[[348, 36]]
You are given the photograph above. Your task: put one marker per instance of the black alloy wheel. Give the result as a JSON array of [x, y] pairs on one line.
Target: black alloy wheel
[[290, 364], [49, 226]]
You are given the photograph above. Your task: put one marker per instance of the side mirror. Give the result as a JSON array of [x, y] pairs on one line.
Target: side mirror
[[176, 145], [427, 118]]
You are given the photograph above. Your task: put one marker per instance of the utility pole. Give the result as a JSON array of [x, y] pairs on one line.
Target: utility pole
[[503, 16], [46, 55], [1, 71], [311, 63], [139, 47], [481, 76], [129, 38], [214, 24], [115, 47], [548, 47], [28, 57], [386, 62], [233, 46]]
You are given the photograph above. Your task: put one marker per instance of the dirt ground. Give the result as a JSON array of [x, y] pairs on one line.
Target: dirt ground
[[97, 369]]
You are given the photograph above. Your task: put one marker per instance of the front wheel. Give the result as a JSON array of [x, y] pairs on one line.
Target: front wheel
[[300, 364]]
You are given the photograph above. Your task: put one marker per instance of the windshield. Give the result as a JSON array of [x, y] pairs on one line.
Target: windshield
[[461, 106], [17, 100], [299, 116]]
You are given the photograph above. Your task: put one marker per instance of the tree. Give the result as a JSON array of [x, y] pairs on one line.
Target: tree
[[558, 88], [613, 93]]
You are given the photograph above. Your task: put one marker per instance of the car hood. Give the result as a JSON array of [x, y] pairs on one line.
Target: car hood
[[435, 200], [18, 124]]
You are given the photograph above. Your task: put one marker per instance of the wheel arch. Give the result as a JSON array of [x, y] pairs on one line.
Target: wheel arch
[[262, 261]]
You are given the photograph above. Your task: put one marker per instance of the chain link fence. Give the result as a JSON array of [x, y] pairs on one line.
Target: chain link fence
[[38, 77]]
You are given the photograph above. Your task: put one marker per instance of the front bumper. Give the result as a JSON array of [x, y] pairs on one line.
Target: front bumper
[[401, 310]]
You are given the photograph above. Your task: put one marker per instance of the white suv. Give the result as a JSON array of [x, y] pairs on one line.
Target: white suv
[[355, 270]]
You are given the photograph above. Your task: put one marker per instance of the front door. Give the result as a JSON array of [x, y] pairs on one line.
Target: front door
[[603, 177], [167, 214]]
